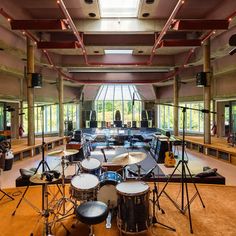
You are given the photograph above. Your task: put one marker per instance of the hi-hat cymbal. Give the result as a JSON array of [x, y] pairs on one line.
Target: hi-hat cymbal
[[129, 158], [60, 153]]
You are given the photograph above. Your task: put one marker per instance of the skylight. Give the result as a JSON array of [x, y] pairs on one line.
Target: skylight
[[119, 8], [118, 51]]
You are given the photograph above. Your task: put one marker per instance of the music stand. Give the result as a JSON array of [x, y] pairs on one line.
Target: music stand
[[184, 168], [42, 163]]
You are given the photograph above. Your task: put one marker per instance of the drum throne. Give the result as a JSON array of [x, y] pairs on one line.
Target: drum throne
[[91, 213]]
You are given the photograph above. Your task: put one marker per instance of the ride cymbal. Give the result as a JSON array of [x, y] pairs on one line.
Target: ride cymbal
[[129, 158]]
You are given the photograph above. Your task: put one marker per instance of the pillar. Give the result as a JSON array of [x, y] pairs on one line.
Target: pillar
[[207, 91], [176, 104], [61, 105], [30, 92]]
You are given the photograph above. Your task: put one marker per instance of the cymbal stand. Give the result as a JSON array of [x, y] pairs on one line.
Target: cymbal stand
[[61, 204]]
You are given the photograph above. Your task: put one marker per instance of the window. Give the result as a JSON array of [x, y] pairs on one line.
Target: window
[[51, 117], [194, 119], [1, 117], [124, 98]]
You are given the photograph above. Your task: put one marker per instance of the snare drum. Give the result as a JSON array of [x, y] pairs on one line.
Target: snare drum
[[84, 187], [107, 192], [91, 166], [133, 207]]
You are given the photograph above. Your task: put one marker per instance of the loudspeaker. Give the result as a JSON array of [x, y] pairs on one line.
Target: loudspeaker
[[37, 81], [201, 79]]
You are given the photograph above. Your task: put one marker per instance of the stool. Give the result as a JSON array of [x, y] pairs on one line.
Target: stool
[[91, 213]]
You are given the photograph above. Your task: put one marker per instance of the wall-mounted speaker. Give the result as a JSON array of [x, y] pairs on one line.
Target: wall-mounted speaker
[[201, 79], [37, 81]]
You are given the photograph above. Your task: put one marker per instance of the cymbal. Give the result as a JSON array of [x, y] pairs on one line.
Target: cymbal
[[129, 158], [40, 179], [61, 153]]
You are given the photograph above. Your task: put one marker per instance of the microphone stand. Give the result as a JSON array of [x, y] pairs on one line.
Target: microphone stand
[[184, 171], [42, 163]]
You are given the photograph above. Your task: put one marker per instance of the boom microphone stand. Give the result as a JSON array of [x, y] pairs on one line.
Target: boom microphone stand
[[42, 163], [184, 171]]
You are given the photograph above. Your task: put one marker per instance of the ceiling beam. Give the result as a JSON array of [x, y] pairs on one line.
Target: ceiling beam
[[57, 45], [198, 24], [38, 25], [180, 43]]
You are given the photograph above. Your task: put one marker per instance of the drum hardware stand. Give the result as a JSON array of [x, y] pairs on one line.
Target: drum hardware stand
[[45, 213], [5, 194], [62, 202], [44, 168], [154, 202], [184, 183]]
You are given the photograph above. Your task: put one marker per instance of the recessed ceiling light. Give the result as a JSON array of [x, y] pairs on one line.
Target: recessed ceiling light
[[145, 14], [91, 14]]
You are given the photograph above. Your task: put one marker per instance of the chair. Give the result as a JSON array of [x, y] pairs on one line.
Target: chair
[[92, 213], [117, 121]]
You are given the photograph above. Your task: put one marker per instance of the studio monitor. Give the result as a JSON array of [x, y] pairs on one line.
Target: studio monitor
[[37, 80], [201, 79]]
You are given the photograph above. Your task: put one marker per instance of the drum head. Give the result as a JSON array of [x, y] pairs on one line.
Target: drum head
[[90, 164], [85, 181], [132, 188], [108, 195]]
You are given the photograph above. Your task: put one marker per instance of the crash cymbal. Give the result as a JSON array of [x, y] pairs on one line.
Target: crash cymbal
[[129, 158], [61, 152]]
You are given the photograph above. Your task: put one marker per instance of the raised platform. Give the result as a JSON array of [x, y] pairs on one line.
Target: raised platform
[[21, 149], [219, 148]]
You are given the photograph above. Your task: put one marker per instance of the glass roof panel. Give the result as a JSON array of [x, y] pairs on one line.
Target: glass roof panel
[[119, 8], [117, 92]]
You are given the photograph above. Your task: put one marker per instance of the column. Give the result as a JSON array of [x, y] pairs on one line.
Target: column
[[176, 104], [30, 92], [207, 91], [61, 105]]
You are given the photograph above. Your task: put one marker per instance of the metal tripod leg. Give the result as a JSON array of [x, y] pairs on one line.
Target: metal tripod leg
[[5, 194], [154, 219]]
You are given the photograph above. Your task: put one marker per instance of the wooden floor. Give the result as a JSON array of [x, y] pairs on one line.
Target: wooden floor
[[217, 219]]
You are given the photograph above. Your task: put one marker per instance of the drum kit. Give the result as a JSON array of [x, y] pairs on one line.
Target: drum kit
[[129, 200]]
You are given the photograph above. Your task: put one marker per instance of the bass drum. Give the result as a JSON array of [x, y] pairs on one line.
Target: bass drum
[[133, 207], [107, 192]]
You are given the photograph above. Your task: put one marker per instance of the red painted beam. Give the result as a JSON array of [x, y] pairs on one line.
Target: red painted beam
[[196, 24], [38, 25], [180, 43], [57, 45]]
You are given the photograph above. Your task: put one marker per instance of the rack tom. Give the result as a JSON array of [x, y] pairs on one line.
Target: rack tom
[[91, 166]]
